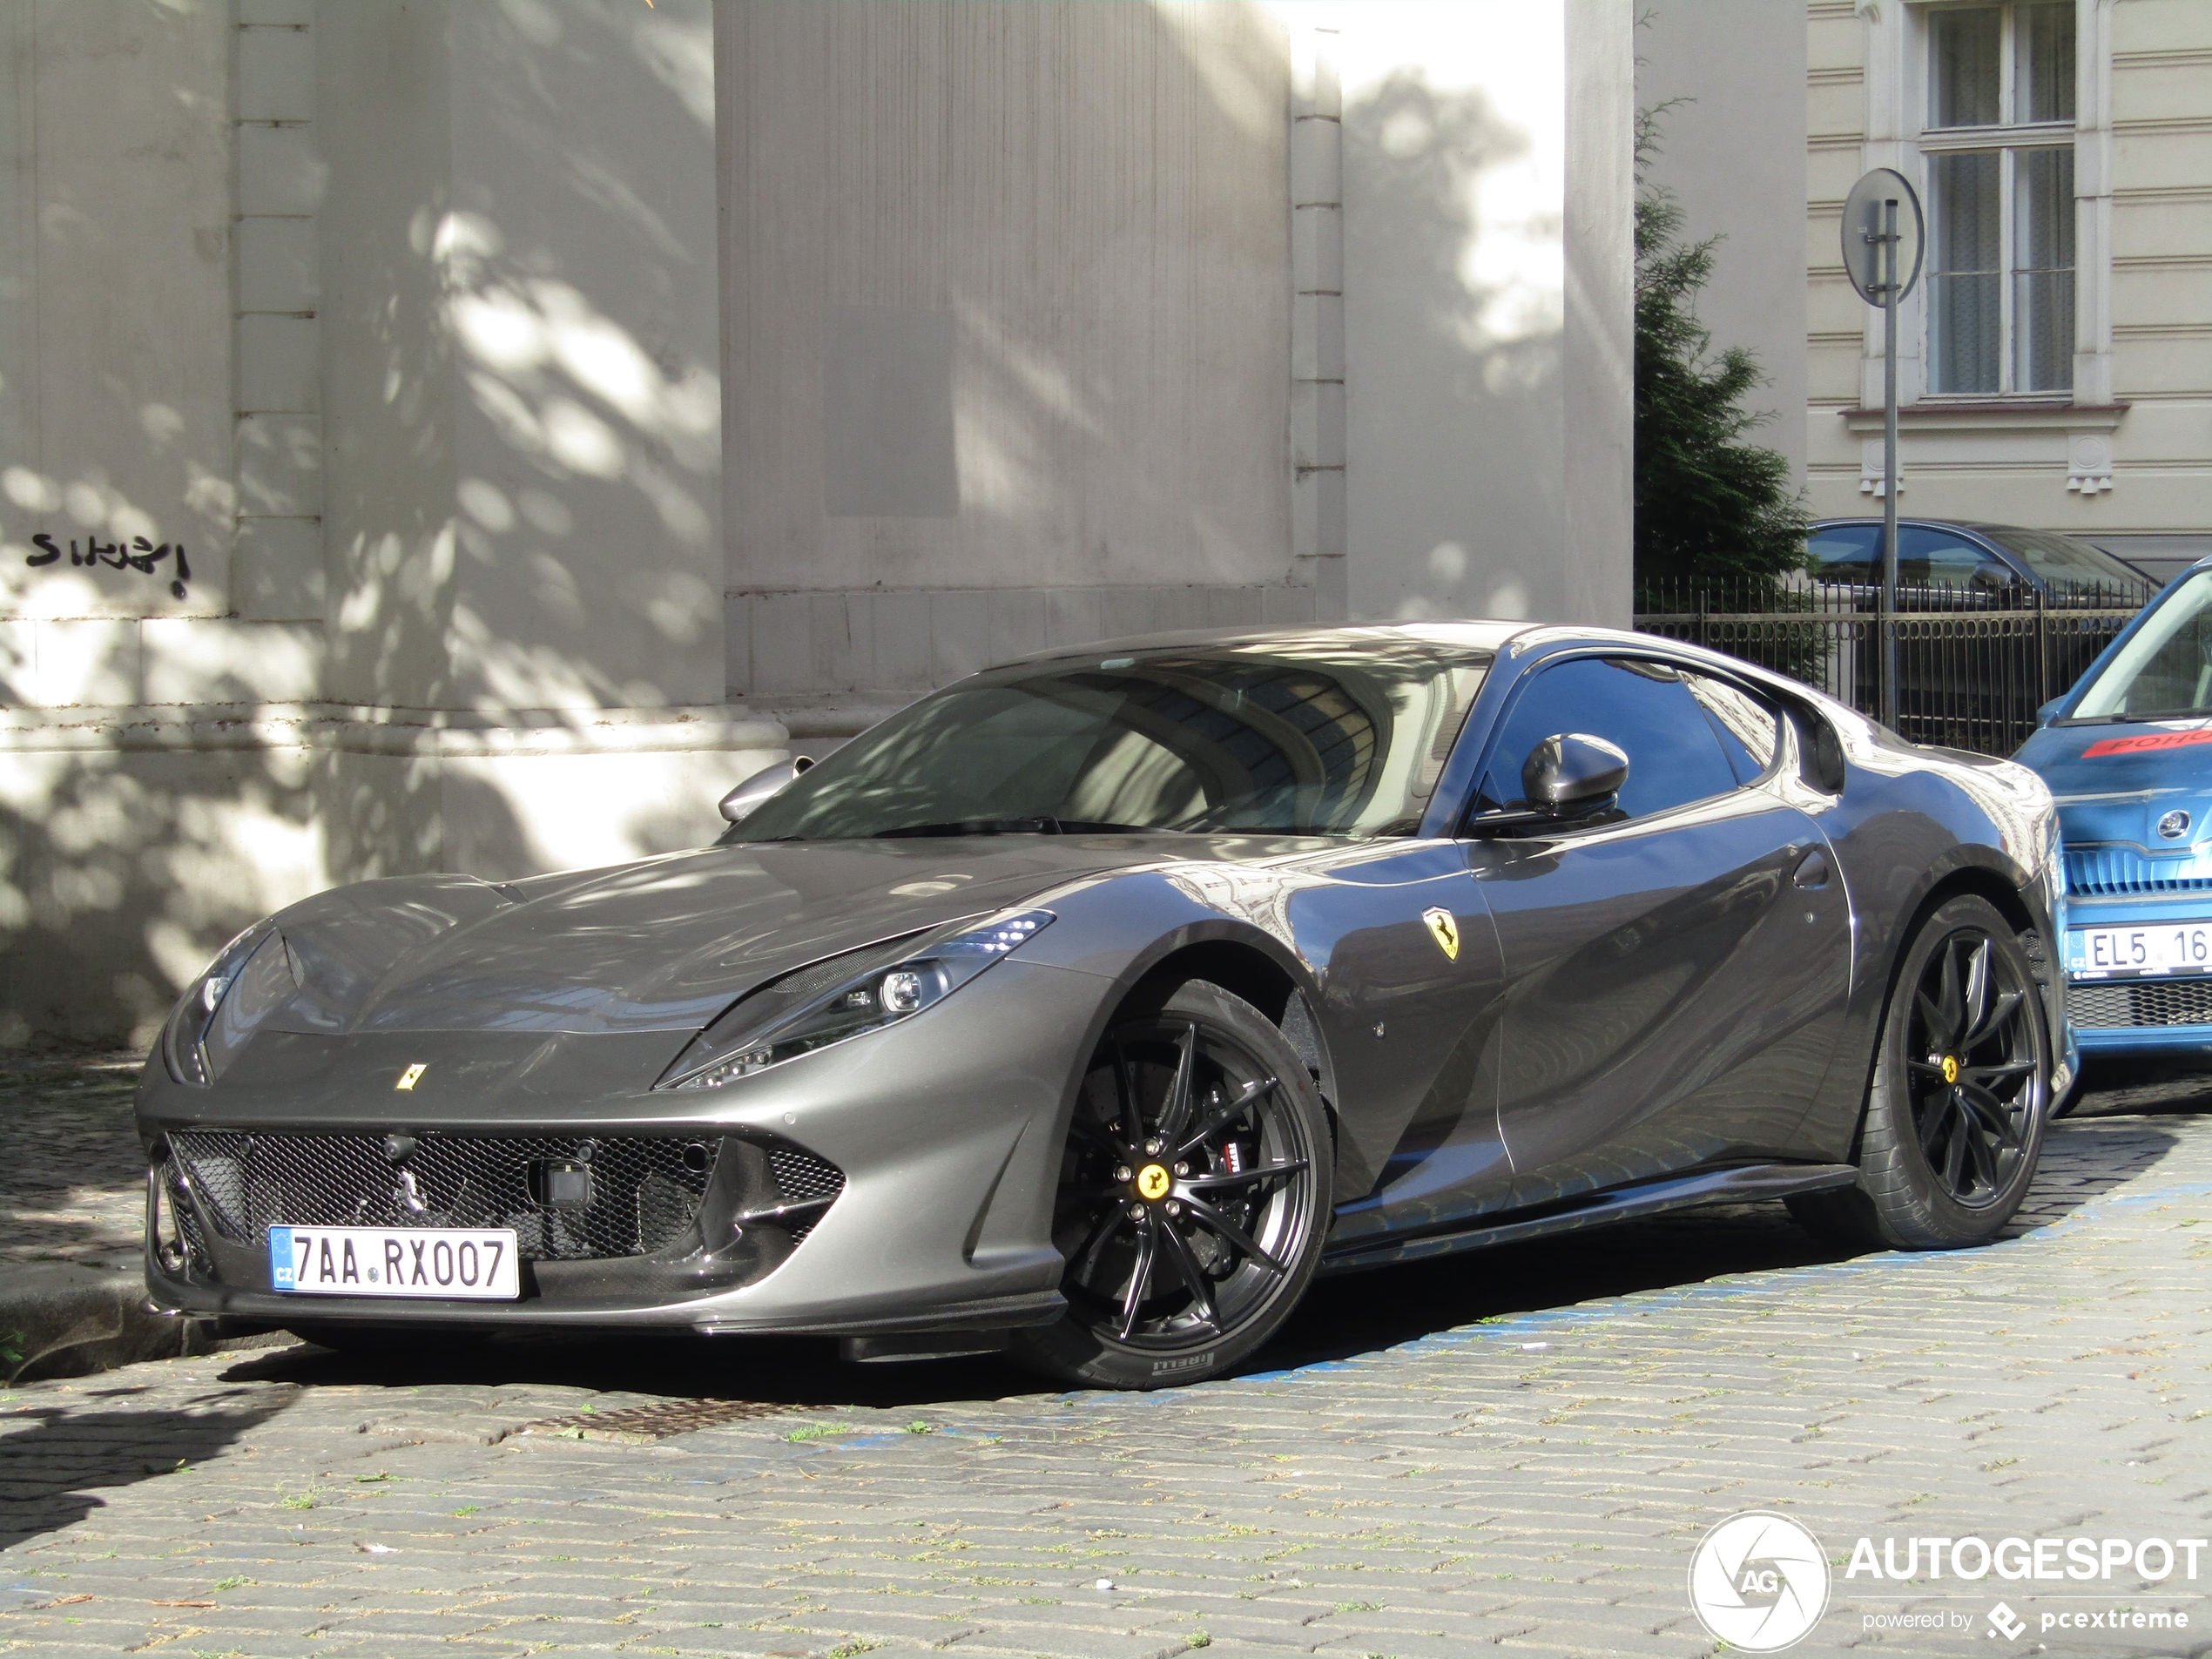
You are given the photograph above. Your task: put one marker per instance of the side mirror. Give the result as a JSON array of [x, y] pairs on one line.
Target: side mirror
[[763, 786], [1572, 775], [2049, 711]]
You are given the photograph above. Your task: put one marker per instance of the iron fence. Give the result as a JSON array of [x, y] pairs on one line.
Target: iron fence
[[1974, 665]]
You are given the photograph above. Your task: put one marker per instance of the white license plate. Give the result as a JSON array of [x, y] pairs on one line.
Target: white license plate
[[473, 1262], [2116, 952]]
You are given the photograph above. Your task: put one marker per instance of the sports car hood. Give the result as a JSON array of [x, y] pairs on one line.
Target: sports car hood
[[659, 946], [2115, 783]]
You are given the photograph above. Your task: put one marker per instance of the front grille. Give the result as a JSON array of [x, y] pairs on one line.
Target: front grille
[[195, 1242], [805, 1179], [643, 1191], [2119, 871], [2153, 1003]]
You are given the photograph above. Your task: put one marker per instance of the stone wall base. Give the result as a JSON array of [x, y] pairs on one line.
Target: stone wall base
[[134, 841]]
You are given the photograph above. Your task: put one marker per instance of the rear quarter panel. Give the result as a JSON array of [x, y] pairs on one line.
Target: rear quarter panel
[[1913, 823]]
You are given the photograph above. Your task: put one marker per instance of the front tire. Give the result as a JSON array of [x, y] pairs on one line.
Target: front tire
[[1194, 1197], [1961, 1093]]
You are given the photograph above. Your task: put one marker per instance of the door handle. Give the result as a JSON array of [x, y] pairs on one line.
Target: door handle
[[1813, 870]]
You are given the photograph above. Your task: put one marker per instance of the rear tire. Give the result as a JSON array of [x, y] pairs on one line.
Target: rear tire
[[1194, 1197], [1961, 1093]]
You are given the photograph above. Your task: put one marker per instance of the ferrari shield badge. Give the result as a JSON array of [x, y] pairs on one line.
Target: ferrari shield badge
[[411, 1075], [1445, 928]]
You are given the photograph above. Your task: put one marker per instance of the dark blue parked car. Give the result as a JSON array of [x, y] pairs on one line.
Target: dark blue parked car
[[1943, 565]]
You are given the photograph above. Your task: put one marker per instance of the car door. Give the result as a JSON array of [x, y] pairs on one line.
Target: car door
[[1675, 973], [1952, 567]]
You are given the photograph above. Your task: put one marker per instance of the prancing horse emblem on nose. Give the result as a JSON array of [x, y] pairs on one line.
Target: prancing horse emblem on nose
[[1445, 927], [411, 1075]]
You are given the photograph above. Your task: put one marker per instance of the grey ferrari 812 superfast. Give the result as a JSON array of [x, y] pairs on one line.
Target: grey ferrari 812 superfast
[[1088, 1008]]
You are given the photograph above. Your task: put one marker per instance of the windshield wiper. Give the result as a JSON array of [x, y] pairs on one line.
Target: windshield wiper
[[2134, 718], [1044, 824]]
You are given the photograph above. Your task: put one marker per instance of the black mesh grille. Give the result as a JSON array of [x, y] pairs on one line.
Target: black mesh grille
[[2155, 1002], [811, 981], [801, 1176], [643, 1191], [187, 1218]]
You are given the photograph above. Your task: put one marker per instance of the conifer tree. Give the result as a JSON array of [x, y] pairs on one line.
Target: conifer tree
[[1709, 508]]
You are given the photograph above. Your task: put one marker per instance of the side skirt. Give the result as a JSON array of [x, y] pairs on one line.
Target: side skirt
[[1743, 1184]]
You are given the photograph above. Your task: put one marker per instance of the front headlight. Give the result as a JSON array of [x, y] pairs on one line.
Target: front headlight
[[255, 974], [868, 990]]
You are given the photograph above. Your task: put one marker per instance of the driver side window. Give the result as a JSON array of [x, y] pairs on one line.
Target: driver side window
[[1936, 559], [1645, 709]]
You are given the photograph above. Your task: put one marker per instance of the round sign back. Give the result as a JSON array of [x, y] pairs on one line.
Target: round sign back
[[1864, 217]]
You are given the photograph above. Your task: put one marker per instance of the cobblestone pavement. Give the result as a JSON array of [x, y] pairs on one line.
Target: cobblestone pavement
[[71, 1176], [1522, 1446]]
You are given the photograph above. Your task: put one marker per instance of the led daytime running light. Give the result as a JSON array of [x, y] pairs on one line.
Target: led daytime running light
[[880, 996], [255, 974]]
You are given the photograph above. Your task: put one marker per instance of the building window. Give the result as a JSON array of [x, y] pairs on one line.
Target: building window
[[1998, 142]]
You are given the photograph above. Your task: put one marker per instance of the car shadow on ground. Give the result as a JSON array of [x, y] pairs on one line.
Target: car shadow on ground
[[1341, 1318], [51, 1474]]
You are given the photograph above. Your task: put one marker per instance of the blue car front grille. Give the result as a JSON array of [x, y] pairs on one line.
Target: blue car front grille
[[2119, 871]]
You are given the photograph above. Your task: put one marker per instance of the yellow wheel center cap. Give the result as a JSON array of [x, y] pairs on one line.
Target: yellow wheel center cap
[[1153, 1182], [1951, 1068]]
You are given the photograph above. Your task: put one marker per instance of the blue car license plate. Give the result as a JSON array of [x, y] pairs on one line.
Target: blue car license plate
[[2158, 948]]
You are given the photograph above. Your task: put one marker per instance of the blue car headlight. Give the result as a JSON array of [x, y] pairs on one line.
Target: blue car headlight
[[866, 990], [254, 975]]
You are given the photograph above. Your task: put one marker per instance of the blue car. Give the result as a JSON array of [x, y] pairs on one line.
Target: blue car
[[2127, 753]]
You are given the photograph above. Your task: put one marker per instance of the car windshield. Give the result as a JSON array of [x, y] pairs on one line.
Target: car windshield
[[1292, 735], [2060, 560], [2166, 669]]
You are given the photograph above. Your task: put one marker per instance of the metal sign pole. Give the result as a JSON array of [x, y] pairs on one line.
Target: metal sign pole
[[1889, 463], [1883, 236]]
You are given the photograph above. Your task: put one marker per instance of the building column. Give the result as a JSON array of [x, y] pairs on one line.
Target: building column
[[1317, 316], [1487, 287]]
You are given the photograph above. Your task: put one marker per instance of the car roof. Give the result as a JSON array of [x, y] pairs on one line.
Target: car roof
[[1974, 526], [1492, 635], [1905, 518], [1468, 634]]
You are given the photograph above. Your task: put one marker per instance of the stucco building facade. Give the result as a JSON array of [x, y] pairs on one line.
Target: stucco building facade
[[471, 436], [2056, 358]]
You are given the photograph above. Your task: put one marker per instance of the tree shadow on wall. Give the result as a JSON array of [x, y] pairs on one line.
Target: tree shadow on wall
[[126, 861], [1454, 328], [122, 869]]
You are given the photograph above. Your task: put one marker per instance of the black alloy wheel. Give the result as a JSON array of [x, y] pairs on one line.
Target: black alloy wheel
[[1193, 1189], [1961, 1093], [1971, 1067]]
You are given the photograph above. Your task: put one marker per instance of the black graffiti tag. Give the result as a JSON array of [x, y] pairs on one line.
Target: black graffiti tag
[[138, 554]]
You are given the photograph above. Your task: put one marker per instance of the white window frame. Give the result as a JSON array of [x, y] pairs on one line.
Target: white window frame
[[1898, 56], [2005, 139]]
